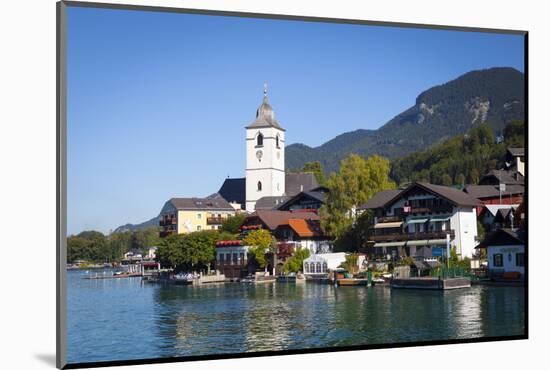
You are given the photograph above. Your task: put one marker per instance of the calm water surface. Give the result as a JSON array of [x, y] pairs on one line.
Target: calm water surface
[[122, 319]]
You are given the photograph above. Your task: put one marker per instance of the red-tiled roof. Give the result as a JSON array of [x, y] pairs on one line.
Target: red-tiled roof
[[273, 219]]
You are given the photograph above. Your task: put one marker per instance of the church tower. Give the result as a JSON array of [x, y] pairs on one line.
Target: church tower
[[265, 156]]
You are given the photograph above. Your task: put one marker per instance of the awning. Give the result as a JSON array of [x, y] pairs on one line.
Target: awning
[[390, 244], [417, 220], [440, 218], [387, 225]]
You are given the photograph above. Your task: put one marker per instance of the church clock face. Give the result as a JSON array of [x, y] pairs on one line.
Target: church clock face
[[259, 155]]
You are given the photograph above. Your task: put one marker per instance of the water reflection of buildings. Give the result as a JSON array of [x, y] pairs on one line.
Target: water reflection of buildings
[[266, 321]]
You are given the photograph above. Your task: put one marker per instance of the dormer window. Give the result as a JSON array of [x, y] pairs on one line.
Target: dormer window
[[260, 140]]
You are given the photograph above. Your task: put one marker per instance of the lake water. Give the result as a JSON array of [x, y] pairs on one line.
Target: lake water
[[123, 319]]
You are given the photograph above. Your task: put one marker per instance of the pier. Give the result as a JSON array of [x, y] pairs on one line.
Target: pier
[[429, 282]]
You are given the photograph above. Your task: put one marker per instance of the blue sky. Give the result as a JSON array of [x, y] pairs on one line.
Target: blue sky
[[157, 102]]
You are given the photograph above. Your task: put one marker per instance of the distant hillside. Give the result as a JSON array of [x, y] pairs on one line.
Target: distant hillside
[[135, 227], [494, 96], [460, 160]]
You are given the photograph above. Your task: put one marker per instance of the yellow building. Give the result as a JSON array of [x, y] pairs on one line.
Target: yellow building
[[185, 215]]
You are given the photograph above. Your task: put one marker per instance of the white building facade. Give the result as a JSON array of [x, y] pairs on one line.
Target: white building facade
[[419, 221], [265, 156]]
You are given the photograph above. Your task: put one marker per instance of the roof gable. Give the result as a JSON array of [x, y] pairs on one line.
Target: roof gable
[[503, 237], [273, 219], [452, 195]]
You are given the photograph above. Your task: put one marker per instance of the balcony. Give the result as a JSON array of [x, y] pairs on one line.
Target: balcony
[[433, 209], [395, 237], [389, 219], [214, 220], [167, 222]]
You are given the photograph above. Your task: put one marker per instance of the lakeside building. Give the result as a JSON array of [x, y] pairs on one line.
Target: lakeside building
[[505, 253], [321, 264], [232, 259], [300, 229], [496, 216], [502, 186], [185, 215], [418, 221]]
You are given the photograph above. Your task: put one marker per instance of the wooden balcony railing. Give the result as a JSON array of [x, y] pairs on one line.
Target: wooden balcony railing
[[412, 236], [441, 209], [214, 220], [389, 219], [167, 221]]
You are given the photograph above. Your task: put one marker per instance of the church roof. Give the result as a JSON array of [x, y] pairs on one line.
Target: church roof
[[234, 190], [265, 116], [295, 183]]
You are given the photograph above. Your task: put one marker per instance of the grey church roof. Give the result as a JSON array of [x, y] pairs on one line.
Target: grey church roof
[[301, 181], [234, 190], [265, 116]]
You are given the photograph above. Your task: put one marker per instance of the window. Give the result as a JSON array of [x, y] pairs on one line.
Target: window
[[228, 258], [199, 215], [497, 260], [220, 257], [520, 259], [306, 267], [241, 258], [318, 267], [277, 141], [325, 267], [259, 186], [199, 228], [260, 140], [235, 258]]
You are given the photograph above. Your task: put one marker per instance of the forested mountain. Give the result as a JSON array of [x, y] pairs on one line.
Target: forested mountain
[[460, 160], [494, 96]]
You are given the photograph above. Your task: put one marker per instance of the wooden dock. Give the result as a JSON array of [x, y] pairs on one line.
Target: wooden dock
[[121, 276], [352, 282], [433, 283]]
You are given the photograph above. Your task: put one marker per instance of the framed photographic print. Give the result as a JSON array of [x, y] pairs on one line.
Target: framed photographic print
[[235, 184]]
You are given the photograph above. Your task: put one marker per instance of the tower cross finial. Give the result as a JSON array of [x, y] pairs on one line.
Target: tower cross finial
[[265, 89]]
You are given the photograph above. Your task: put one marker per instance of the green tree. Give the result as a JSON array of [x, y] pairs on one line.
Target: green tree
[[260, 242], [187, 252], [317, 169], [350, 264], [89, 245], [120, 243], [233, 223], [446, 180], [295, 262], [356, 182], [460, 179], [355, 238]]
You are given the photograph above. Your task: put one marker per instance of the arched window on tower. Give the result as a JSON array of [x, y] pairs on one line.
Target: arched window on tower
[[259, 186], [277, 141], [260, 140]]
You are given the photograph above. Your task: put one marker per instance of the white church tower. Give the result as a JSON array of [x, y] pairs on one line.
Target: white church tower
[[265, 156]]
